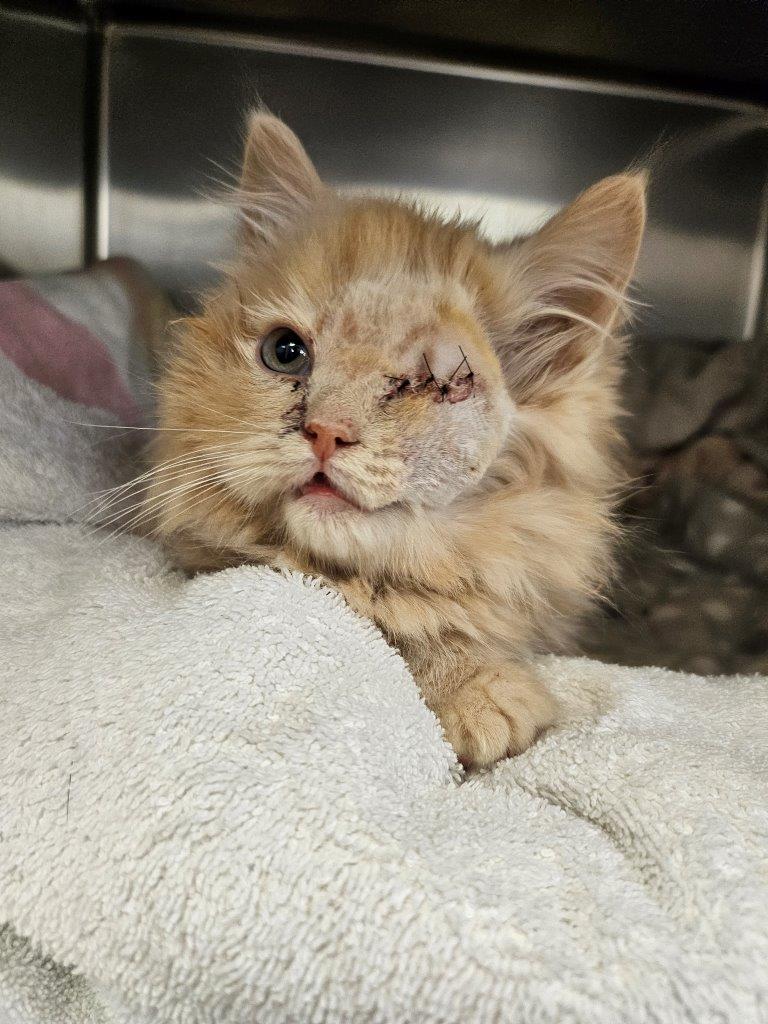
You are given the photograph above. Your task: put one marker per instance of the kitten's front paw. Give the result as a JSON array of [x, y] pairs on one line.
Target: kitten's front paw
[[497, 713]]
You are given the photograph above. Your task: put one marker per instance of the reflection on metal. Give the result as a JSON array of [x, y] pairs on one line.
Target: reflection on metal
[[756, 318], [499, 218], [513, 145], [505, 146], [41, 143]]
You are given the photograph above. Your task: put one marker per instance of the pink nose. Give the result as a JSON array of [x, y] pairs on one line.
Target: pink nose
[[325, 438]]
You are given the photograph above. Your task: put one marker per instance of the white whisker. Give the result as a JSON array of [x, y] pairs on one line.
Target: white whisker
[[171, 463], [148, 507], [105, 498], [150, 502], [175, 430]]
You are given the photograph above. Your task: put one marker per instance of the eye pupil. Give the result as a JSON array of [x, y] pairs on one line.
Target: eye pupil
[[288, 348], [284, 351]]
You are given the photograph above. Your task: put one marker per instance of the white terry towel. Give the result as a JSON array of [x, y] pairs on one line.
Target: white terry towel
[[222, 801]]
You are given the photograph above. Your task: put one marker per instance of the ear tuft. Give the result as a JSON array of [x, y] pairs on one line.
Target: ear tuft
[[278, 182], [569, 279], [585, 255]]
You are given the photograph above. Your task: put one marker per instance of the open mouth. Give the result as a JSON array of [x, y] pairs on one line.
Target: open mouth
[[321, 487]]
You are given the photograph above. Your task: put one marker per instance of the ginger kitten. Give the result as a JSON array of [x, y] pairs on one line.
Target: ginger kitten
[[422, 418]]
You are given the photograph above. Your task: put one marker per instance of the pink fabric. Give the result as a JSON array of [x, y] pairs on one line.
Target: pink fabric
[[62, 355]]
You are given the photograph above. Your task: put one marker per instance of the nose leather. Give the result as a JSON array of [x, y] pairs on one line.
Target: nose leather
[[326, 436]]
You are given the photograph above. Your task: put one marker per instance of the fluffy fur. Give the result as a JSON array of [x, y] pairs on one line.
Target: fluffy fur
[[472, 390]]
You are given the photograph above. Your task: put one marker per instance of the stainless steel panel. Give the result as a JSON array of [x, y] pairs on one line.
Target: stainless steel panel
[[718, 41], [517, 145], [42, 88]]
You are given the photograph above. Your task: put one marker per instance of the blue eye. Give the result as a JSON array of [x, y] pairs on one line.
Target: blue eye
[[284, 351]]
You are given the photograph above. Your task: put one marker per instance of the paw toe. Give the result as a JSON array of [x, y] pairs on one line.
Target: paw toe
[[493, 717]]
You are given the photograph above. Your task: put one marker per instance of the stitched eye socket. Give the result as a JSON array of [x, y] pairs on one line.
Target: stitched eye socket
[[283, 351], [398, 386]]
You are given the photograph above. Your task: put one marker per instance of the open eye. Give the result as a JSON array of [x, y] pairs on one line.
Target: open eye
[[285, 352]]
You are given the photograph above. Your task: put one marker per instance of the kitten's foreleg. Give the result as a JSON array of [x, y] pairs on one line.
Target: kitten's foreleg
[[495, 713], [486, 713]]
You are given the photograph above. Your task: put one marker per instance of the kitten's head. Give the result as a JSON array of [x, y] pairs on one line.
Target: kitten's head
[[364, 365]]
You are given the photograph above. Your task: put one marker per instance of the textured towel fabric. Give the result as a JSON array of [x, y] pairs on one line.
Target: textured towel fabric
[[222, 800]]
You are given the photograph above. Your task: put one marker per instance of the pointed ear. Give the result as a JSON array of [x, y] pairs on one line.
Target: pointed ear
[[278, 182], [569, 279]]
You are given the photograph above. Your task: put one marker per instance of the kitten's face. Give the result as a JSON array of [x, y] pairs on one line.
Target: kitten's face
[[406, 393], [362, 366], [365, 397]]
